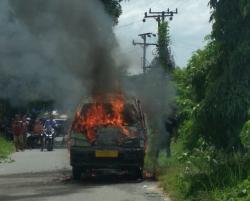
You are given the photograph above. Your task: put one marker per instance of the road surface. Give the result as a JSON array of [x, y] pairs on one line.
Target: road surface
[[45, 176]]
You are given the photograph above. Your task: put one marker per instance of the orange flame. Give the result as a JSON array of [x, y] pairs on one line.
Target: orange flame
[[97, 116]]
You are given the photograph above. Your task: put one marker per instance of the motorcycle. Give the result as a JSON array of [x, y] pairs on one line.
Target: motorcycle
[[47, 139]]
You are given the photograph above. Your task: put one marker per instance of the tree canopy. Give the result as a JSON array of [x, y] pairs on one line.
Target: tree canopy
[[113, 7], [218, 77]]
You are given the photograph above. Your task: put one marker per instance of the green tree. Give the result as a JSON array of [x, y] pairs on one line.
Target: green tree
[[113, 7], [192, 83], [164, 51], [223, 111]]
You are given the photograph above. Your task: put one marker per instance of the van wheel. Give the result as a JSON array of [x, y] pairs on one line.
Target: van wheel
[[136, 173], [76, 173]]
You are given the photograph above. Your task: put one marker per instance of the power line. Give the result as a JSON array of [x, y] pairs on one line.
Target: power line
[[160, 16]]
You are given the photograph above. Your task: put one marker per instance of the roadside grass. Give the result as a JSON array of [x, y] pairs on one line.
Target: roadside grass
[[203, 173], [167, 170], [199, 177], [240, 192], [169, 173], [171, 177], [169, 182], [6, 148]]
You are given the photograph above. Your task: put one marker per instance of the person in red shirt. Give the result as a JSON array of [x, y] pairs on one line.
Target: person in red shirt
[[36, 134], [18, 130], [38, 127]]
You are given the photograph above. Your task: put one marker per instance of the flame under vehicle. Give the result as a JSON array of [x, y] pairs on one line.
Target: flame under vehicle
[[108, 135]]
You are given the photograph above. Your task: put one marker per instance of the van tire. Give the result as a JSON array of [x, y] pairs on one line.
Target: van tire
[[76, 173]]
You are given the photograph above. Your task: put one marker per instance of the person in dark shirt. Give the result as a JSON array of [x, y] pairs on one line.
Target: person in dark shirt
[[18, 131]]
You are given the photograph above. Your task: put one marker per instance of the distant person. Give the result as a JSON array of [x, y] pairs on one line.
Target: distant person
[[49, 127], [25, 126], [36, 134], [171, 127], [17, 130], [50, 123], [38, 127]]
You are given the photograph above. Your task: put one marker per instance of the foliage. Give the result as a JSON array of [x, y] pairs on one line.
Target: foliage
[[214, 99], [113, 7], [164, 51], [222, 101], [245, 135], [192, 83], [203, 174], [170, 169], [227, 97], [207, 169], [241, 192], [6, 148], [214, 90]]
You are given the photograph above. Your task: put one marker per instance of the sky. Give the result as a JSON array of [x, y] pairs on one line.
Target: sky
[[187, 29]]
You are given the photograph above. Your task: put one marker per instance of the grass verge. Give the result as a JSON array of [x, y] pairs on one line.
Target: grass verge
[[6, 148], [199, 179], [169, 172]]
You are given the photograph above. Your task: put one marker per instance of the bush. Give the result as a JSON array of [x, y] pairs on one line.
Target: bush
[[207, 169], [204, 174], [245, 135], [6, 148], [241, 192]]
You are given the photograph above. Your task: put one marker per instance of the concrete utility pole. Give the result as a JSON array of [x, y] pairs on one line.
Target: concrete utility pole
[[160, 16], [144, 44]]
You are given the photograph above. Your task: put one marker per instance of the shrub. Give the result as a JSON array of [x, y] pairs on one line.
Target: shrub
[[207, 169], [245, 135], [6, 148]]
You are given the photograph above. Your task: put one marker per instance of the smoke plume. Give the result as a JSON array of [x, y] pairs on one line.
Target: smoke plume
[[56, 49], [65, 50], [157, 93]]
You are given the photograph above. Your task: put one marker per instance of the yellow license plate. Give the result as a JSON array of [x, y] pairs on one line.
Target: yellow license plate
[[106, 154]]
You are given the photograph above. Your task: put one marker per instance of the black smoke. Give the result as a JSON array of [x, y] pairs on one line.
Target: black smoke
[[56, 49]]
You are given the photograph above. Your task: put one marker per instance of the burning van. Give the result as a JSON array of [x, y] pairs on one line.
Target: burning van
[[108, 134]]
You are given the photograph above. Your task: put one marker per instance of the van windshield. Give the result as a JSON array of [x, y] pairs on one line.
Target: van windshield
[[129, 114]]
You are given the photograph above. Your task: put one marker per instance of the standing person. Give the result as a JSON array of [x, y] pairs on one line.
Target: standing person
[[37, 132], [171, 128], [17, 130], [25, 124]]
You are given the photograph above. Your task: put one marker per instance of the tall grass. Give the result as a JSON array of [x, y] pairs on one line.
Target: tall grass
[[205, 174]]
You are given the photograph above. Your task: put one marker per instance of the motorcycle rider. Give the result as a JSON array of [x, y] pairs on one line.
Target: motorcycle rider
[[50, 124]]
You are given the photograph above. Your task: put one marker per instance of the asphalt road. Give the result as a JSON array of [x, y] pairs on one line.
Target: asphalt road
[[46, 176]]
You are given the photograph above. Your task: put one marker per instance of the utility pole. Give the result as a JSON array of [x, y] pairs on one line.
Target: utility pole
[[160, 16], [144, 45]]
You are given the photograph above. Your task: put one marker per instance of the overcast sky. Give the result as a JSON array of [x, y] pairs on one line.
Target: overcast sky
[[187, 30]]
